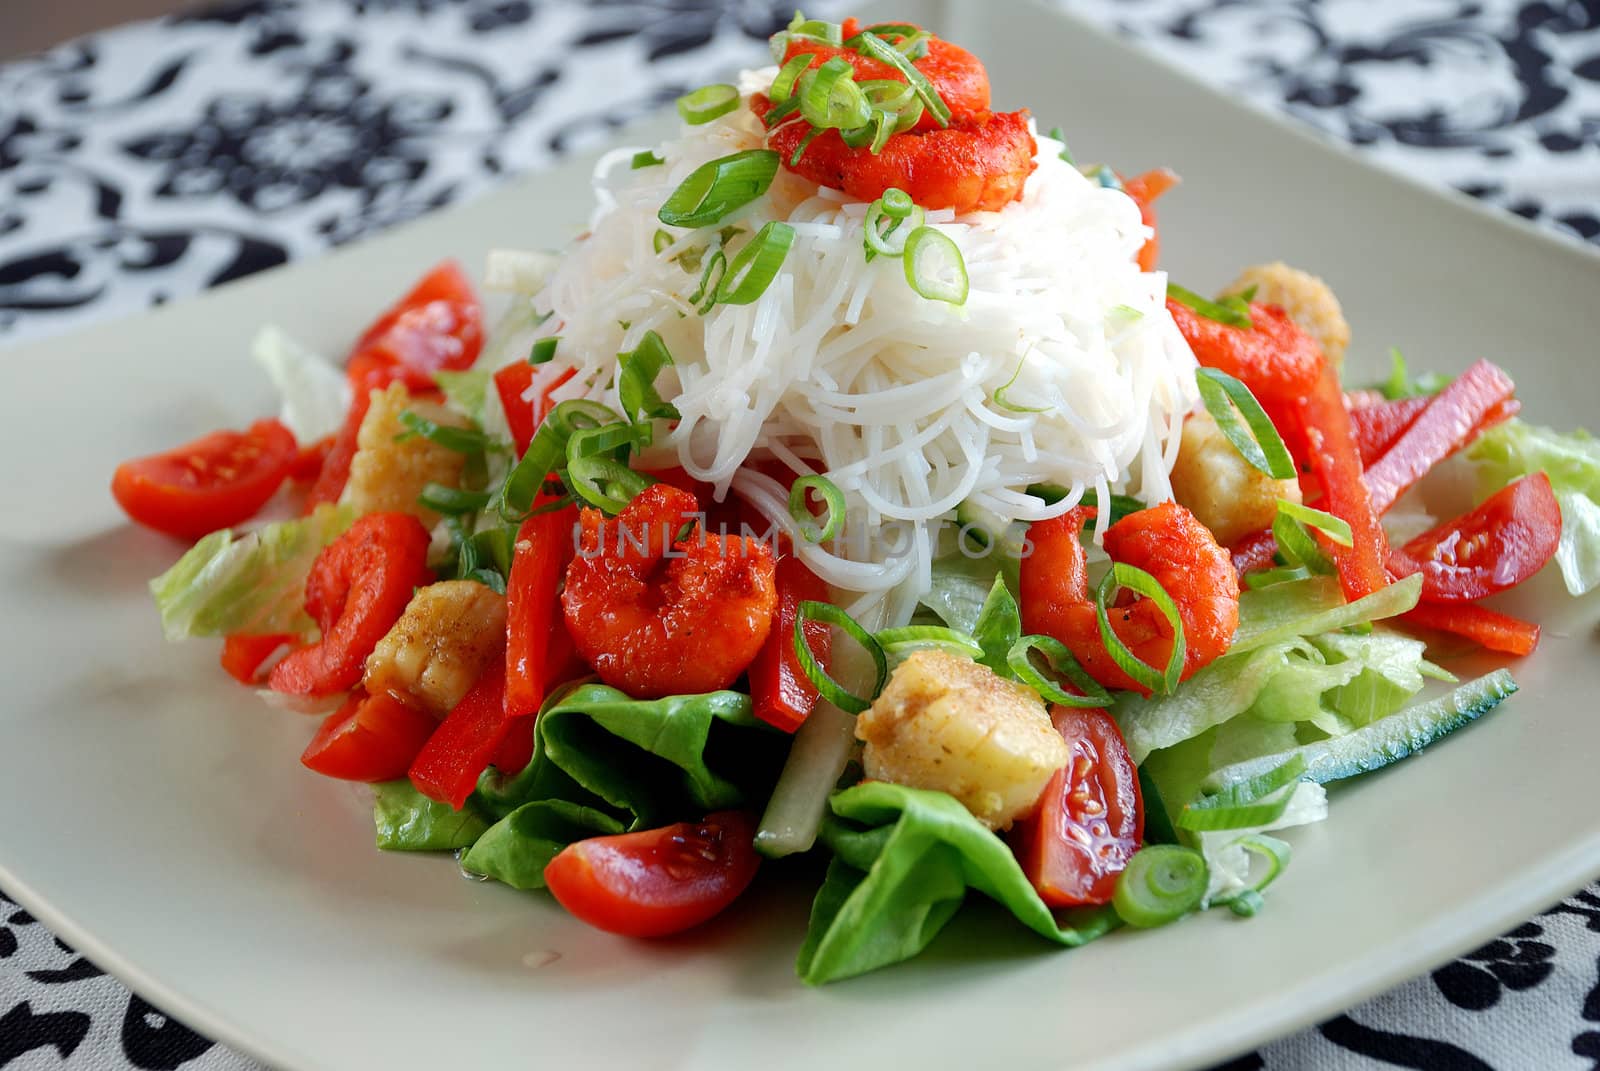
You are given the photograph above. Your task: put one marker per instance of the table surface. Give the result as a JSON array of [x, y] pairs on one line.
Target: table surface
[[146, 163]]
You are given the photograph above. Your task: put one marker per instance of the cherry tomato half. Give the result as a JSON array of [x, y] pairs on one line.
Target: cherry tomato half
[[1494, 547], [438, 325], [370, 738], [658, 881], [213, 482], [1090, 819]]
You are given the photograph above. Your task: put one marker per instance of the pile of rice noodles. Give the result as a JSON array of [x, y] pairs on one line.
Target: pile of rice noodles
[[840, 368]]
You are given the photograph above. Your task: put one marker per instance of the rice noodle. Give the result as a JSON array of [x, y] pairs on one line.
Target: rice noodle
[[840, 368]]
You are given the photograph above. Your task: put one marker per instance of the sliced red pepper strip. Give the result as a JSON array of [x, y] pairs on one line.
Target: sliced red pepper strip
[[1487, 628], [1144, 189], [781, 692], [1448, 423], [524, 416], [1378, 424], [369, 738], [533, 609], [449, 764], [1254, 552], [1336, 463], [357, 589], [243, 653]]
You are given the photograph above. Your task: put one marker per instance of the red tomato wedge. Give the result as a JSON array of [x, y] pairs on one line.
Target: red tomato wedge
[[1144, 189], [216, 481], [534, 619], [370, 738], [1497, 546], [243, 654], [1335, 462], [1487, 628], [659, 881], [781, 692], [357, 589], [438, 325], [1450, 421], [447, 767], [1090, 819]]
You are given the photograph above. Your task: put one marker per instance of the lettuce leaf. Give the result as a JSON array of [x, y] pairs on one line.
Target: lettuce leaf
[[1572, 461], [1315, 605], [904, 859], [314, 391], [251, 582], [1223, 690], [604, 763], [408, 821]]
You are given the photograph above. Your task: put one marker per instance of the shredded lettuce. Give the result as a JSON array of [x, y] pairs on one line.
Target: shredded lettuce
[[1312, 606], [248, 582], [1228, 860], [315, 394], [465, 392], [904, 859], [1220, 691], [1572, 461], [960, 586]]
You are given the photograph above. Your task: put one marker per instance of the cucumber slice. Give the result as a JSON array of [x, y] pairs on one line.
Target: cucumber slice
[[1384, 741], [983, 526]]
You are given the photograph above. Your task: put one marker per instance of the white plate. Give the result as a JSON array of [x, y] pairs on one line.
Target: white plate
[[156, 816]]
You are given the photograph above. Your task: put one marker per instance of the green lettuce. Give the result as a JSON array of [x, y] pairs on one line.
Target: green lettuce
[[315, 394], [408, 821], [249, 582], [604, 763], [904, 859], [1572, 461]]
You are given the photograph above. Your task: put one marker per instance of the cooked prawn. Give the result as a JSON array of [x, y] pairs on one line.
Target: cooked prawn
[[956, 75], [1165, 541], [657, 615]]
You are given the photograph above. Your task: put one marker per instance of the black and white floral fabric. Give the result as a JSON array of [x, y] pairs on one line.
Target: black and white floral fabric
[[147, 163]]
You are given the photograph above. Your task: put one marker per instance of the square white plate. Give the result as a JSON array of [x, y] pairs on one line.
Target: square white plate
[[157, 818]]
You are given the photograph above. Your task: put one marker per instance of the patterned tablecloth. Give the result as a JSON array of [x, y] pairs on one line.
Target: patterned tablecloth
[[149, 162]]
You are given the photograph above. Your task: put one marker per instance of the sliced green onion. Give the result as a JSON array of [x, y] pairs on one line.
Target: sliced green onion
[[1203, 817], [1161, 884], [892, 639], [496, 545], [1060, 135], [756, 265], [934, 267], [1335, 528], [705, 295], [829, 33], [879, 240], [1257, 441], [1265, 578], [831, 496], [543, 350], [636, 380], [780, 112], [897, 203], [1276, 853], [831, 100], [707, 103], [1123, 575], [452, 501], [825, 685], [805, 143], [1258, 787], [877, 48], [607, 441], [660, 241], [782, 88], [460, 440], [1231, 311], [646, 159], [884, 125], [604, 482], [889, 94], [999, 396], [546, 452], [718, 187], [1061, 660], [1298, 548], [575, 414]]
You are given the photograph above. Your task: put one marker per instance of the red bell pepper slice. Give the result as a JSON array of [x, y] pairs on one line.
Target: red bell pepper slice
[[1254, 552], [370, 738], [1330, 441], [243, 654], [533, 609], [357, 589], [1485, 627], [449, 764], [522, 415], [1144, 189], [1503, 542], [780, 691], [1379, 424], [1449, 422]]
